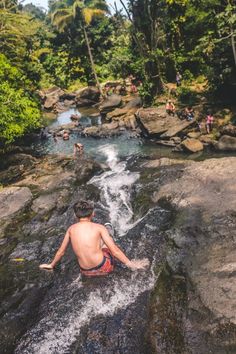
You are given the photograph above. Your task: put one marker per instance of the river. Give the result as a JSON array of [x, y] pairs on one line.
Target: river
[[59, 304]]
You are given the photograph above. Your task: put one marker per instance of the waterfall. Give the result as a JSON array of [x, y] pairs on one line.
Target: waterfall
[[71, 304], [115, 186]]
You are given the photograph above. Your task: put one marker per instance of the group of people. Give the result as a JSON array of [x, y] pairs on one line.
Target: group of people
[[188, 114], [132, 82]]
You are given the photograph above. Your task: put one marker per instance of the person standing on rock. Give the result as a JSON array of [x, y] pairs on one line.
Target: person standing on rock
[[93, 245], [170, 108], [209, 123]]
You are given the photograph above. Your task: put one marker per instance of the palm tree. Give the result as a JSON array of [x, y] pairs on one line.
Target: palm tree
[[84, 11]]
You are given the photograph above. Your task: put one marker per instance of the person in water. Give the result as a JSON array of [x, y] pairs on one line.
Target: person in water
[[78, 149], [65, 135], [93, 245]]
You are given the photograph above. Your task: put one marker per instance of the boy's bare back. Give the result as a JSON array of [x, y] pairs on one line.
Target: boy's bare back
[[86, 240]]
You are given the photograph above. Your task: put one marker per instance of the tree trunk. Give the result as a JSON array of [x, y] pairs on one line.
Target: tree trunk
[[233, 46], [92, 61]]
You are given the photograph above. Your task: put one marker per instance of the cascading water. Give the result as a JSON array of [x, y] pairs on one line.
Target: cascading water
[[115, 186], [71, 304]]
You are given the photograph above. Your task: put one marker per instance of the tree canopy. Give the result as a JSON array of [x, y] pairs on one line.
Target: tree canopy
[[79, 42]]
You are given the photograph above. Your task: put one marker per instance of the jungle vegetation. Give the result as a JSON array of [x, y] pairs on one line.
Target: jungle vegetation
[[81, 42]]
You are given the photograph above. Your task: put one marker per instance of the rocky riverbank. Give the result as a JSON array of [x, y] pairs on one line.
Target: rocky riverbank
[[124, 112]]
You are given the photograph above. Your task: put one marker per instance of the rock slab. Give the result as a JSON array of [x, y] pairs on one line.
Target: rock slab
[[14, 199], [192, 145], [226, 143], [155, 121]]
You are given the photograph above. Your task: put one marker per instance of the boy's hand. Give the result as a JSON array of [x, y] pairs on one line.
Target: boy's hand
[[138, 264], [46, 266]]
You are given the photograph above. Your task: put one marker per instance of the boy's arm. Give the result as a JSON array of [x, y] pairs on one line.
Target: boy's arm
[[60, 253], [119, 254]]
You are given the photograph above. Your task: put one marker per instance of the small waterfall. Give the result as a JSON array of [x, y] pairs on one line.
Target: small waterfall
[[115, 186], [70, 305]]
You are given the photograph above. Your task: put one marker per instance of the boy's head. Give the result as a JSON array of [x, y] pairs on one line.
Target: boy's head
[[83, 209]]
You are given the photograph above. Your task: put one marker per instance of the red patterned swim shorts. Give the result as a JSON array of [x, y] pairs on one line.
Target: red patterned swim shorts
[[104, 268]]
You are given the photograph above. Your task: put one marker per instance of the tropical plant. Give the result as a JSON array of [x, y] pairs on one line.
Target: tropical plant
[[80, 13], [19, 112]]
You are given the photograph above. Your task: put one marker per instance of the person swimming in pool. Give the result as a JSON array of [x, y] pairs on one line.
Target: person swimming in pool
[[93, 245]]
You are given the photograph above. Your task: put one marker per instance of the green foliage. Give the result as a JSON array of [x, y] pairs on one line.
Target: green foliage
[[187, 96], [19, 112]]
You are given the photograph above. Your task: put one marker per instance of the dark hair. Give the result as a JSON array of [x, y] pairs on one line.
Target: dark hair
[[83, 209]]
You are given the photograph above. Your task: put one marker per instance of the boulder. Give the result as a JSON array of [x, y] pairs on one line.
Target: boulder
[[155, 121], [226, 143], [207, 139], [85, 169], [50, 102], [228, 129], [134, 103], [164, 161], [105, 130], [110, 103], [75, 117], [194, 135], [87, 96], [110, 126], [192, 145], [68, 96], [47, 202], [13, 200], [52, 96], [117, 113]]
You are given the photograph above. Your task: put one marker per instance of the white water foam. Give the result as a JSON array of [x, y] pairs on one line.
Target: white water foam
[[115, 186], [59, 333]]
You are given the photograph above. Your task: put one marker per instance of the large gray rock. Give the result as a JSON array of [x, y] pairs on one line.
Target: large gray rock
[[155, 121], [226, 143], [110, 103], [87, 96], [192, 145], [202, 196], [13, 200], [85, 169], [105, 130], [228, 129], [134, 103], [45, 203], [52, 97]]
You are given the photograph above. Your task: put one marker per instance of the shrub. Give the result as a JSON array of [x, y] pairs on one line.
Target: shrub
[[187, 96]]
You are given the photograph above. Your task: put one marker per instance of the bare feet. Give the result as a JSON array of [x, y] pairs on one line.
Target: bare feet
[[138, 264], [46, 266]]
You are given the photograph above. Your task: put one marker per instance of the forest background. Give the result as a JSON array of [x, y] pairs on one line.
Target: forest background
[[151, 40]]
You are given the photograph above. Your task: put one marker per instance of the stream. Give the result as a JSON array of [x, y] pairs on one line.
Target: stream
[[47, 311]]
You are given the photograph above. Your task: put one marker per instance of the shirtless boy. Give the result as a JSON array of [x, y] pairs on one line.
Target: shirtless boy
[[93, 246]]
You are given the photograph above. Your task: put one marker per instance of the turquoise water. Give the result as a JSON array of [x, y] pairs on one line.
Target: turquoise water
[[126, 145]]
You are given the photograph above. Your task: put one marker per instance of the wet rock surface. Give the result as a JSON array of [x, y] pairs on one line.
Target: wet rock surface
[[203, 253], [184, 222]]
